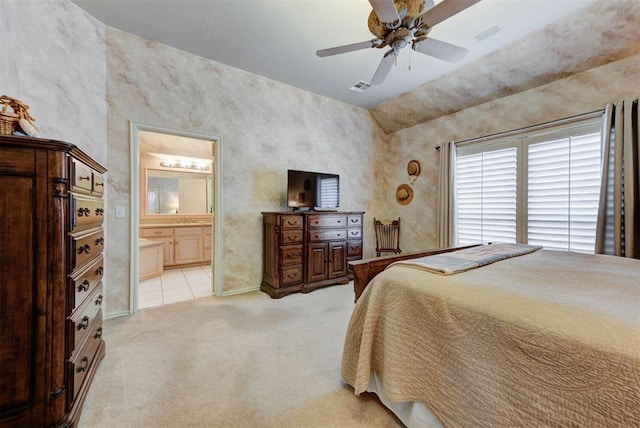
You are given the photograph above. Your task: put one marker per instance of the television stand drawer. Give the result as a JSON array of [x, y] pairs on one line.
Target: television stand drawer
[[328, 235], [319, 221]]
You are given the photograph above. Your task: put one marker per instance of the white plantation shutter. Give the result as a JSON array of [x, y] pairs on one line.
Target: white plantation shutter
[[539, 188], [563, 192], [486, 186]]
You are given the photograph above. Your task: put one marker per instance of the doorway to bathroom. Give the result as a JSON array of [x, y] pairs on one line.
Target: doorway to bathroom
[[175, 221]]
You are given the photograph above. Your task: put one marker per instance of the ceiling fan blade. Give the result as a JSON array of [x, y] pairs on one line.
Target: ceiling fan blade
[[427, 5], [346, 48], [386, 10], [439, 49], [385, 67], [445, 10]]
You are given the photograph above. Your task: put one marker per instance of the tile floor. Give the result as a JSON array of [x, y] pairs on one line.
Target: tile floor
[[175, 285]]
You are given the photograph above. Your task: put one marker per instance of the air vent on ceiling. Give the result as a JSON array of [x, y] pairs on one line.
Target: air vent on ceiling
[[360, 86], [484, 35]]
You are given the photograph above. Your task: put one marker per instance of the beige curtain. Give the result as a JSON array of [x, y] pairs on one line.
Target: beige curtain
[[446, 194], [618, 229]]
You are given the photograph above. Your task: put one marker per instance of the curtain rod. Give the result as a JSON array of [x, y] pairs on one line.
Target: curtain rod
[[532, 128]]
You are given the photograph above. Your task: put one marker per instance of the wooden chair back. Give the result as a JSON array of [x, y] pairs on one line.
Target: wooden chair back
[[387, 236]]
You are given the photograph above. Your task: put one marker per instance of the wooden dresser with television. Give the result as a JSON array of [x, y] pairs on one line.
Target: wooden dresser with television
[[306, 250], [51, 270]]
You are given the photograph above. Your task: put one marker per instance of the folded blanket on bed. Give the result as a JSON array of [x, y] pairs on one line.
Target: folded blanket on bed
[[470, 258]]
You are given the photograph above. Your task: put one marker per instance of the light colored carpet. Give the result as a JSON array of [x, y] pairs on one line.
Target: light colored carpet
[[238, 361]]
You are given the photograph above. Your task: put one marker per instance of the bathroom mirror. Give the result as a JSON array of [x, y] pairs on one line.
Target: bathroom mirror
[[178, 193]]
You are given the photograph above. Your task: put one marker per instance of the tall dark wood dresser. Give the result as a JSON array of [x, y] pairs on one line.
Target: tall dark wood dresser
[[51, 268]]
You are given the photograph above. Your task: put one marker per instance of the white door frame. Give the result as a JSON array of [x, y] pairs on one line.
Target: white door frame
[[216, 259]]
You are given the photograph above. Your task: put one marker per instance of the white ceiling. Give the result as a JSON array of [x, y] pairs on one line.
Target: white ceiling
[[278, 38]]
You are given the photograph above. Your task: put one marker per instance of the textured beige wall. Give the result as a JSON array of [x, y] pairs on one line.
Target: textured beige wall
[[265, 128], [581, 93], [53, 59]]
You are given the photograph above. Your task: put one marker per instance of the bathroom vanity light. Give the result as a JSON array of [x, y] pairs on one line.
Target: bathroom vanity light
[[202, 166]]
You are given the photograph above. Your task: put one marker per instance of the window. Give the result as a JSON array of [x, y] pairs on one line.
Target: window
[[539, 188]]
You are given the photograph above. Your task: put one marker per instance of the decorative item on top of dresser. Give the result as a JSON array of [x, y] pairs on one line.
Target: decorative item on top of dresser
[[51, 224], [19, 117], [307, 250]]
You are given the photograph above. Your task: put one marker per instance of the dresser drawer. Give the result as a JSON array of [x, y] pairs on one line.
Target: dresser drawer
[[97, 184], [80, 362], [354, 220], [154, 232], [291, 254], [86, 211], [291, 237], [354, 248], [328, 235], [85, 247], [315, 221], [81, 321], [291, 275], [81, 176], [85, 281], [354, 233], [291, 222]]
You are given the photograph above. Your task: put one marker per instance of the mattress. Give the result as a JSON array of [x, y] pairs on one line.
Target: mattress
[[548, 338]]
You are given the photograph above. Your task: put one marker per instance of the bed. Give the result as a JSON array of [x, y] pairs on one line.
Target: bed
[[547, 338]]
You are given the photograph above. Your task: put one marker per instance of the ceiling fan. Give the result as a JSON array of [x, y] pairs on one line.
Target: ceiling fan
[[396, 23]]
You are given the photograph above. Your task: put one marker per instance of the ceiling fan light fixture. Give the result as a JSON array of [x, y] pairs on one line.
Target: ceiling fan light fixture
[[398, 23]]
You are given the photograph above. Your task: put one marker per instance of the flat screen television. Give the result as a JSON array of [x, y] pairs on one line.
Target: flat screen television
[[312, 190]]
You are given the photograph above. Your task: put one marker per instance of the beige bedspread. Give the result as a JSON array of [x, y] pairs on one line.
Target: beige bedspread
[[546, 339]]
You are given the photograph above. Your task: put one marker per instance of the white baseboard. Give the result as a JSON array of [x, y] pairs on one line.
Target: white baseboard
[[240, 291], [116, 315]]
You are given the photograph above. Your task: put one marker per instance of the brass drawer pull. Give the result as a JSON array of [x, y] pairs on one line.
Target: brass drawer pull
[[86, 248], [84, 323], [84, 212], [99, 211], [99, 183], [88, 177], [98, 300], [84, 364], [292, 275], [84, 286], [98, 334]]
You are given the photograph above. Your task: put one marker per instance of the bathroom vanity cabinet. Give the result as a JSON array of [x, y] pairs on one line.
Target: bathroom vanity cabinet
[[184, 244]]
